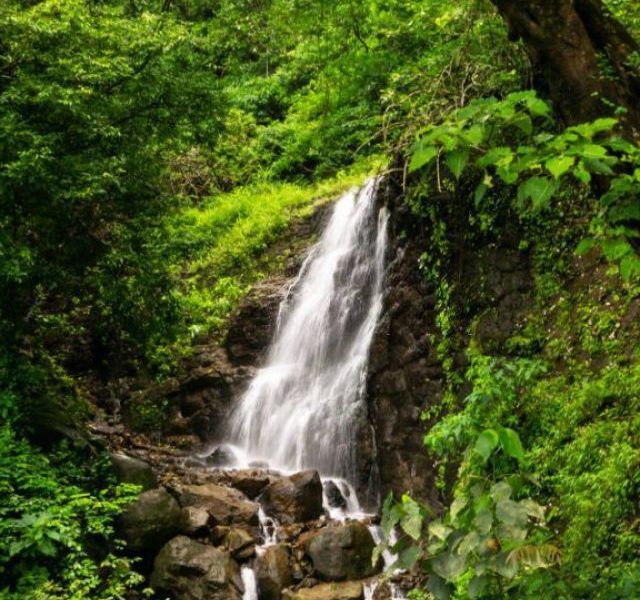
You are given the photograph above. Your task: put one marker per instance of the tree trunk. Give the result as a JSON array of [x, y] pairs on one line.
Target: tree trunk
[[583, 53]]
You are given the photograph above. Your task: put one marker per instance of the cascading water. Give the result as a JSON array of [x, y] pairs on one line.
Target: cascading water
[[301, 408]]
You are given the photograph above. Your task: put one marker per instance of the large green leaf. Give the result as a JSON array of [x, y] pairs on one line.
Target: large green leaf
[[449, 565], [559, 165], [615, 248], [511, 444], [501, 491], [630, 267], [483, 521], [438, 530], [474, 135], [539, 189], [456, 161], [512, 513], [407, 557], [538, 107], [477, 585], [438, 587], [421, 155], [411, 521], [585, 245], [524, 124], [486, 443]]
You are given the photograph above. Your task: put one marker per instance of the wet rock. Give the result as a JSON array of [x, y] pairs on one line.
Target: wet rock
[[294, 499], [249, 482], [259, 464], [290, 532], [333, 494], [222, 456], [341, 552], [383, 591], [240, 542], [349, 590], [273, 573], [193, 521], [149, 521], [226, 505], [189, 570], [129, 469], [218, 533], [251, 328]]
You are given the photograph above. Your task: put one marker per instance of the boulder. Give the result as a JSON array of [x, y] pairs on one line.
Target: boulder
[[193, 521], [227, 506], [129, 469], [149, 521], [341, 552], [334, 496], [240, 542], [189, 570], [273, 573], [249, 481], [222, 456], [294, 499], [349, 590]]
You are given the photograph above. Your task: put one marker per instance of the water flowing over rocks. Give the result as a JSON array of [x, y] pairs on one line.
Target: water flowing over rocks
[[305, 406], [273, 510]]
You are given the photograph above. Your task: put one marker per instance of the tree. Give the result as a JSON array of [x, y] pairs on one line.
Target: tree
[[588, 59]]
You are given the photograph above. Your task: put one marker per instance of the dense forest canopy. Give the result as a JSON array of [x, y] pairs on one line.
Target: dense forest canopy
[[153, 151]]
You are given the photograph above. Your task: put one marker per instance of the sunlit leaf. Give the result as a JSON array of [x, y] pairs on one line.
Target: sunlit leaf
[[559, 165], [421, 156], [456, 161], [630, 267], [511, 444], [486, 443], [615, 248]]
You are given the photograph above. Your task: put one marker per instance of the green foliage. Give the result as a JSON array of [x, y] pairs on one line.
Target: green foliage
[[493, 535], [56, 525], [507, 142]]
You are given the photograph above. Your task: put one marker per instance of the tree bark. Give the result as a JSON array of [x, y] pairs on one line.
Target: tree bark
[[583, 53]]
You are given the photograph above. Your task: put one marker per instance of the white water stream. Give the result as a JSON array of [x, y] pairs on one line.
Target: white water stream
[[304, 406], [301, 408]]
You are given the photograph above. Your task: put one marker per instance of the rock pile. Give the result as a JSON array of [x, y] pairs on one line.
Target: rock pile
[[196, 537]]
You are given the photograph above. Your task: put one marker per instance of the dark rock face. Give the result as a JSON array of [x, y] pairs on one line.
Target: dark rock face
[[129, 469], [294, 499], [341, 552], [405, 372], [246, 345], [405, 376], [217, 373], [273, 573], [222, 456], [200, 400], [334, 495], [149, 521], [189, 570], [226, 506]]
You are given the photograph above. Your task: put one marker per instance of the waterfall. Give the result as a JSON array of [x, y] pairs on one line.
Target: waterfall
[[302, 409]]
